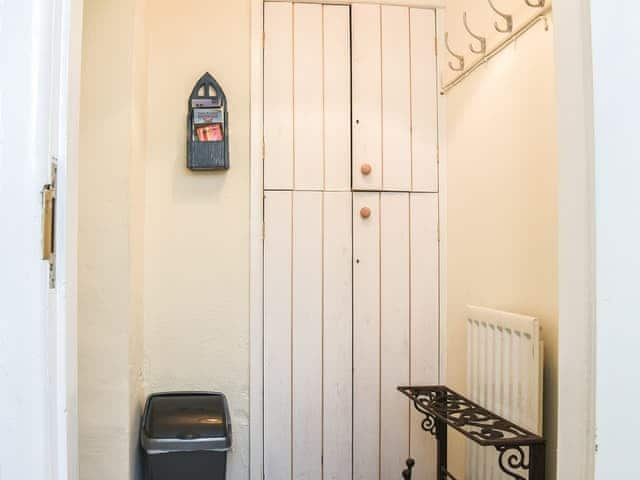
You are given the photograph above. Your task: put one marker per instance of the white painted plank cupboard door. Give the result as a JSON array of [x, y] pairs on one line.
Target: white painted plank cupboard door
[[307, 335], [366, 330], [308, 100], [396, 103], [278, 98], [395, 328], [395, 96], [278, 210], [366, 97], [424, 101], [424, 319], [337, 98], [337, 358], [308, 331], [394, 332]]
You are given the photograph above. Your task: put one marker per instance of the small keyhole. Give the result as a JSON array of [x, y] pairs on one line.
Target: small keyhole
[[357, 260], [357, 122]]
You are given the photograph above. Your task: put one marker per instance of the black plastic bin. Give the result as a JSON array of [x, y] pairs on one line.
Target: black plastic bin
[[186, 436]]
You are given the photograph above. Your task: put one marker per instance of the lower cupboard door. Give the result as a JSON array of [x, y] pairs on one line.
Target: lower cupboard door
[[395, 315], [308, 335], [350, 313]]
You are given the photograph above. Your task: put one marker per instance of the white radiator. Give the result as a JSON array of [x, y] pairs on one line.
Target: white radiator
[[504, 375]]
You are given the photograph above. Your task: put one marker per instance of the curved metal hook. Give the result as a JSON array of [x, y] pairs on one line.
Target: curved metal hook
[[483, 41], [460, 58], [540, 3], [508, 18]]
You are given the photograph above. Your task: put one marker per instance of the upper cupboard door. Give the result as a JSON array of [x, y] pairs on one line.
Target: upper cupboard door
[[307, 98], [395, 134]]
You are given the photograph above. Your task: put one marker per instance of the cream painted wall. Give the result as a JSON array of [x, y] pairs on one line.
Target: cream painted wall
[[197, 224], [111, 168], [164, 252], [502, 198], [137, 190]]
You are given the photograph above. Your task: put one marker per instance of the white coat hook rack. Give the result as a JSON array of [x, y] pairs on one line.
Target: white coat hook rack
[[508, 18], [482, 40], [460, 58], [488, 54], [539, 4]]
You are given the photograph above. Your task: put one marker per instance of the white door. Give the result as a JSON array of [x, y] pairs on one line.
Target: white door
[[307, 101], [311, 275], [350, 276], [395, 93], [37, 361], [395, 328], [308, 327]]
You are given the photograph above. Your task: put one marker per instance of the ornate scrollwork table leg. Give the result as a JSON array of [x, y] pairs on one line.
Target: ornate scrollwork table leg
[[537, 462], [441, 435], [438, 429], [429, 422], [513, 461], [407, 472]]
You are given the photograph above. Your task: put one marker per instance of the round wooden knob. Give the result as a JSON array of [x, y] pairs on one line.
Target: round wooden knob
[[365, 212], [365, 169]]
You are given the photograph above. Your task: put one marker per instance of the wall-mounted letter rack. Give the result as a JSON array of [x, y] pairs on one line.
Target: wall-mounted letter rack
[[207, 126]]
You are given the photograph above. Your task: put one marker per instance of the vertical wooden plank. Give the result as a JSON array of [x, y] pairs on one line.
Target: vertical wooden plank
[[394, 331], [366, 342], [367, 96], [337, 358], [337, 98], [307, 97], [424, 318], [396, 104], [307, 335], [278, 103], [277, 335], [424, 101]]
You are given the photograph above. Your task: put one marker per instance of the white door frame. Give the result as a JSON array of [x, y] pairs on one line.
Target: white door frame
[[66, 341], [576, 249], [576, 234]]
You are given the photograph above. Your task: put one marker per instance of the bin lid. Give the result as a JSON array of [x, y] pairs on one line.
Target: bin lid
[[186, 421]]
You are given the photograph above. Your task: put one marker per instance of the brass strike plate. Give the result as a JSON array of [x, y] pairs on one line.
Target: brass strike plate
[[49, 224]]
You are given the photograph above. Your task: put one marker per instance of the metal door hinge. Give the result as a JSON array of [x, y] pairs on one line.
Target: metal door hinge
[[49, 225]]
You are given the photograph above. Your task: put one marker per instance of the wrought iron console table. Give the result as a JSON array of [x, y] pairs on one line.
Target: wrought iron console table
[[443, 408]]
